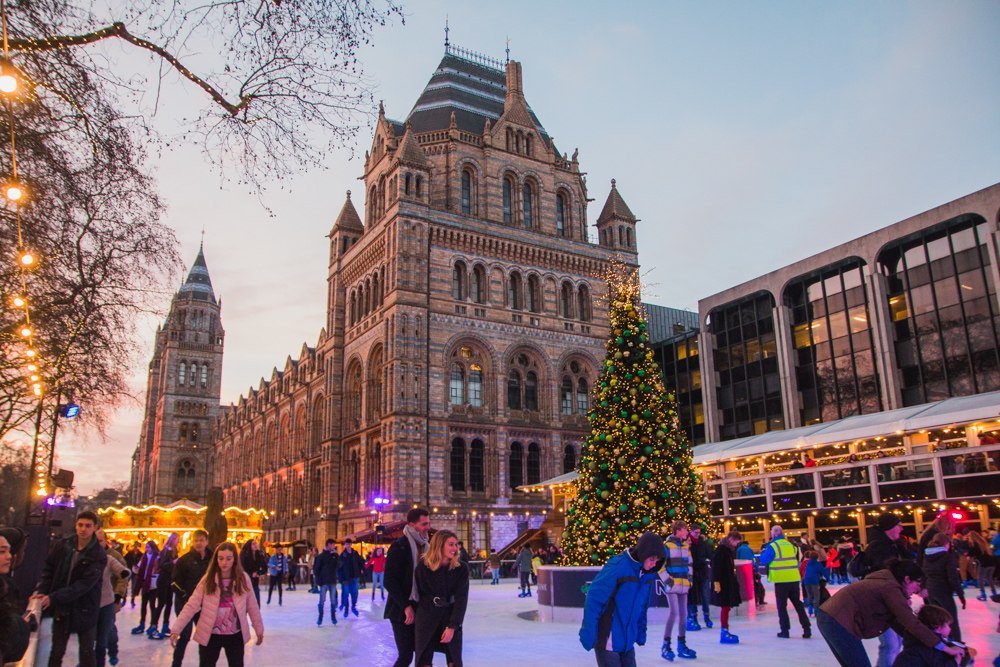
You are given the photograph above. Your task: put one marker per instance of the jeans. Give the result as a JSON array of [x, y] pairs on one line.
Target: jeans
[[60, 637], [496, 575], [349, 587], [986, 579], [607, 658], [255, 583], [784, 592], [678, 605], [890, 645], [105, 625], [182, 641], [812, 595], [703, 588], [208, 655], [846, 648], [405, 637], [332, 590], [275, 581], [377, 583]]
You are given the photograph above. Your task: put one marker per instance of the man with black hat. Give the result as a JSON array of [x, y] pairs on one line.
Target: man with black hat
[[884, 545]]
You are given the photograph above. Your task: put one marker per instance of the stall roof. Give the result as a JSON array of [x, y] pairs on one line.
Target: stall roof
[[949, 412], [564, 478]]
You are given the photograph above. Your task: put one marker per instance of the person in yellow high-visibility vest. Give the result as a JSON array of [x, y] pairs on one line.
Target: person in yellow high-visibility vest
[[782, 560]]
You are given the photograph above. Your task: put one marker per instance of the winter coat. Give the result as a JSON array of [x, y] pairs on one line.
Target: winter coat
[[147, 571], [80, 598], [701, 558], [277, 564], [254, 563], [869, 607], [115, 571], [985, 559], [814, 570], [494, 561], [444, 595], [245, 604], [677, 572], [325, 568], [523, 561], [377, 563], [167, 559], [726, 589], [995, 544], [398, 579], [14, 631], [941, 576], [833, 559], [351, 566], [614, 615], [881, 548], [744, 552], [916, 654], [925, 540], [189, 570]]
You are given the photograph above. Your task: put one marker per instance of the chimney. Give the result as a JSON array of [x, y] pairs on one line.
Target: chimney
[[514, 89]]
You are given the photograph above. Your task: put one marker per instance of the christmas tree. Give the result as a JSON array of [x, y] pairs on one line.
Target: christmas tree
[[635, 469]]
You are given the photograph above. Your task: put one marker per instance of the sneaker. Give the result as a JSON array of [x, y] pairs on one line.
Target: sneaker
[[665, 652], [684, 652], [783, 634]]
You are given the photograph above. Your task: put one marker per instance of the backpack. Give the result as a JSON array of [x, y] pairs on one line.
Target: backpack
[[859, 567]]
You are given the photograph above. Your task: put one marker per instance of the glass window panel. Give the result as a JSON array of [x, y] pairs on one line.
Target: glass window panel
[[981, 336], [852, 278], [815, 291], [954, 342], [838, 324], [531, 391], [753, 350], [915, 256], [476, 387], [861, 341], [899, 308], [567, 395], [942, 268], [922, 299], [938, 248], [864, 364], [855, 297], [800, 336], [695, 380], [835, 302], [736, 354], [832, 284], [820, 333], [817, 309], [841, 346], [920, 275], [457, 385], [951, 318], [858, 319], [926, 323], [967, 259], [972, 285], [963, 240], [930, 347]]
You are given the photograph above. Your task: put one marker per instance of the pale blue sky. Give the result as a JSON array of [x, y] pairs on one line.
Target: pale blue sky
[[744, 135]]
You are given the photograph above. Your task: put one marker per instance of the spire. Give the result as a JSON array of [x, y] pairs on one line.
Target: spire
[[409, 151], [615, 207], [348, 218], [198, 285]]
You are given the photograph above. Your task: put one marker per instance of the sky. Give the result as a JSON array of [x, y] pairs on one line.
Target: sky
[[745, 136]]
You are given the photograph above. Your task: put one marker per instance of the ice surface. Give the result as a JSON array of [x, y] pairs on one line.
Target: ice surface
[[496, 636]]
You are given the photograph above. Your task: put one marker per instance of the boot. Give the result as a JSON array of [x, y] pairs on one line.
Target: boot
[[708, 621], [333, 615], [319, 620], [982, 596], [354, 610], [692, 623], [727, 638], [665, 652], [683, 651], [141, 628]]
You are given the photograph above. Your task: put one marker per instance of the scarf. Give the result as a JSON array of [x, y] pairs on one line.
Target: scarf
[[417, 542]]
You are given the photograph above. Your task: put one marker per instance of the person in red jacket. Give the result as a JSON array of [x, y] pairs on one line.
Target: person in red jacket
[[377, 563]]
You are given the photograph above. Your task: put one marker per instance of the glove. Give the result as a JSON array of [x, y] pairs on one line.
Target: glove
[[718, 587]]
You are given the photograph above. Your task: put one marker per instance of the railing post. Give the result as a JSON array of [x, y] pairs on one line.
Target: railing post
[[938, 477], [873, 483], [767, 491], [818, 485]]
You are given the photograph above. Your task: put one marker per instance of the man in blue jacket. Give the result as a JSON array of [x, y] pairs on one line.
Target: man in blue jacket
[[350, 569], [325, 573], [614, 617], [277, 568]]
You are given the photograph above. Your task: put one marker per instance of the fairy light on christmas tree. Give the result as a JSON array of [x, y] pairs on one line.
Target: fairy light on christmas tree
[[636, 473]]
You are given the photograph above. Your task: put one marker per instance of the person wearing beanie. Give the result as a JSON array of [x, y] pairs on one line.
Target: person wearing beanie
[[884, 546], [614, 616]]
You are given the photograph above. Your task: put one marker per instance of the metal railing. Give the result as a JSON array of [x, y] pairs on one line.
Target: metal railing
[[34, 609]]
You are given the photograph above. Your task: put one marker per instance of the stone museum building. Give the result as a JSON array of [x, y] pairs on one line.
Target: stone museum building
[[464, 332]]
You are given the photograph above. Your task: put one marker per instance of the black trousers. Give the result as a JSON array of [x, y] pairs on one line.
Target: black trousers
[[183, 639], [85, 638], [164, 603], [785, 592], [148, 600], [208, 656], [406, 639], [274, 581]]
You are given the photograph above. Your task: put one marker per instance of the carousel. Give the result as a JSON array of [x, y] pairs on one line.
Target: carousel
[[152, 522]]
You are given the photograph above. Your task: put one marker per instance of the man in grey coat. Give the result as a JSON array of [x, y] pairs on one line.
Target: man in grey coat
[[523, 565]]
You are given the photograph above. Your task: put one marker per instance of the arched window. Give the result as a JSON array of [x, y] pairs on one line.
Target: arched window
[[527, 145], [352, 307], [194, 432], [457, 387], [514, 390], [534, 464], [184, 433], [181, 374], [466, 192], [566, 300], [569, 459], [583, 303], [353, 402], [372, 205], [561, 214], [375, 292], [458, 464], [621, 236], [479, 284], [185, 477], [514, 291], [516, 473], [508, 189], [475, 386], [531, 391], [628, 236], [374, 405], [566, 395], [419, 189], [528, 201], [582, 396], [458, 281], [476, 458], [532, 295], [356, 475], [406, 185], [204, 375]]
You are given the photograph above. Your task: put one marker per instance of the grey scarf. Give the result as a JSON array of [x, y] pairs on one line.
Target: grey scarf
[[415, 539]]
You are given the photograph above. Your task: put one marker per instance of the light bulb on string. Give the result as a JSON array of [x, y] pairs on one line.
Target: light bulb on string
[[25, 332], [19, 301], [35, 378], [30, 354], [27, 259], [32, 367], [8, 80], [14, 191]]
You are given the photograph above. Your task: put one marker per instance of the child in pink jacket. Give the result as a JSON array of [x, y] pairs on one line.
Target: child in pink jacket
[[225, 598]]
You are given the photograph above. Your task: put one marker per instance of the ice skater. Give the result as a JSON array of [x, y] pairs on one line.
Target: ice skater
[[523, 565], [676, 576]]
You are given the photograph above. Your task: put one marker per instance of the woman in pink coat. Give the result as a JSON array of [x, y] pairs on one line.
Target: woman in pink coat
[[225, 599]]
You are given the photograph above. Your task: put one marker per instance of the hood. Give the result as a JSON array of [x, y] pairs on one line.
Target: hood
[[933, 551], [649, 545]]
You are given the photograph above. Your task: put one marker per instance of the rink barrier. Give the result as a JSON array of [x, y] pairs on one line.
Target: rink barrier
[[34, 609]]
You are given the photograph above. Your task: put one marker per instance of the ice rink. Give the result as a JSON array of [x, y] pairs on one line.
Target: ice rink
[[496, 635]]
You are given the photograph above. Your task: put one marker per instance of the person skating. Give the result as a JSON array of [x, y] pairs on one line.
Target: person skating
[[986, 562], [867, 608], [325, 573], [494, 561], [725, 586], [813, 574], [189, 570], [442, 581], [116, 574], [676, 576], [614, 615], [223, 600], [350, 568], [254, 564], [916, 654], [886, 546], [701, 585], [377, 563], [164, 590], [943, 581], [277, 568], [146, 575], [782, 560], [293, 569], [132, 559], [400, 562], [523, 566], [70, 589]]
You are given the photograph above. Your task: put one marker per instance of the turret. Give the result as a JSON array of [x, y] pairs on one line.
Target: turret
[[616, 224]]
